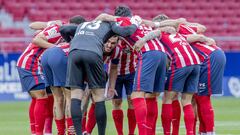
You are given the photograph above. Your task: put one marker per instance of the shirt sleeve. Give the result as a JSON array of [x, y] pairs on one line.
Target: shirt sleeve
[[52, 33], [123, 31], [68, 31]]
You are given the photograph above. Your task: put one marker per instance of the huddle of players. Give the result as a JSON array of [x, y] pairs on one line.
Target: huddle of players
[[195, 64]]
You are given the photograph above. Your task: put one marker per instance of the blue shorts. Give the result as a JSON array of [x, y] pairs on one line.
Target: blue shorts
[[184, 80], [30, 81], [127, 82], [54, 63], [150, 73], [211, 74]]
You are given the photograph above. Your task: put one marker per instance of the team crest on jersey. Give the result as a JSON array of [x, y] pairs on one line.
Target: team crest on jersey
[[126, 50], [52, 32]]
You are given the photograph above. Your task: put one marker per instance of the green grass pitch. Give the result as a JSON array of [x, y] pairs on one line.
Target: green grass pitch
[[14, 118]]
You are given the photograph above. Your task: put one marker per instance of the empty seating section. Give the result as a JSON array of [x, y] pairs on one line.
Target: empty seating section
[[222, 17]]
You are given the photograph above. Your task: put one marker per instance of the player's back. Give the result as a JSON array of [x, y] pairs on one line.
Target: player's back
[[91, 36]]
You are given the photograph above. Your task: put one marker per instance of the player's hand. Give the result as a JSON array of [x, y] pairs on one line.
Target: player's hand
[[111, 93], [210, 41], [138, 45], [137, 20]]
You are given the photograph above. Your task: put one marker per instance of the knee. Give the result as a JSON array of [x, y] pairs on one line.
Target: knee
[[59, 99], [117, 103]]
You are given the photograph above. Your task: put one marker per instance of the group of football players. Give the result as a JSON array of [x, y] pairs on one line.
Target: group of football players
[[69, 63]]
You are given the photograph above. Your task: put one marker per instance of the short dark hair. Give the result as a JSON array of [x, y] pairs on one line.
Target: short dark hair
[[123, 11], [77, 19], [160, 17]]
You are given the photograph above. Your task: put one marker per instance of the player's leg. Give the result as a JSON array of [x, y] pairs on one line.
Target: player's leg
[[59, 109], [190, 87], [91, 118], [117, 112], [174, 84], [176, 115], [152, 111], [75, 80], [215, 70], [49, 113], [194, 104], [93, 64], [85, 102], [128, 83], [152, 98], [131, 117], [40, 108], [144, 82]]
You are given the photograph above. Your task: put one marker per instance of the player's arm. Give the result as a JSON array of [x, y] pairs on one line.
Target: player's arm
[[113, 75], [42, 25], [68, 31], [106, 17], [124, 31], [42, 41], [151, 35], [200, 38], [169, 22], [200, 28]]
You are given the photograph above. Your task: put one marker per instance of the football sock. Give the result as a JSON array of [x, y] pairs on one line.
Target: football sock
[[131, 121], [166, 116], [118, 120], [101, 117], [76, 115]]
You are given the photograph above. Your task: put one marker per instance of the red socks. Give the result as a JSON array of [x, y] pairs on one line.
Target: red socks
[[189, 118], [152, 114], [70, 127], [84, 119], [60, 126], [176, 108], [91, 119], [131, 121], [166, 116], [118, 120], [31, 116], [140, 109], [49, 115], [207, 112], [39, 113]]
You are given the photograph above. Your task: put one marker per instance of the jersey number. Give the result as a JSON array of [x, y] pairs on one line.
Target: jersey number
[[91, 25]]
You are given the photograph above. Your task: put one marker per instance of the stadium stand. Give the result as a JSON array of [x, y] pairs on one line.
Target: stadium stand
[[222, 17]]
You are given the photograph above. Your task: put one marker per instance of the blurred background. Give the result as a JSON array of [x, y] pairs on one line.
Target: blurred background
[[221, 17]]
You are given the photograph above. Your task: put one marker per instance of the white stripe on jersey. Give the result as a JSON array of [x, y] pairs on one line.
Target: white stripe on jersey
[[208, 47], [23, 54], [180, 57], [189, 56], [25, 59], [127, 63], [196, 56], [155, 46], [161, 45], [189, 29]]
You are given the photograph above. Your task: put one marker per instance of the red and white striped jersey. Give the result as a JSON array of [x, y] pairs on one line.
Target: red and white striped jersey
[[114, 55], [125, 57], [128, 59], [141, 31], [30, 58], [179, 50], [64, 46], [202, 50], [52, 34]]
